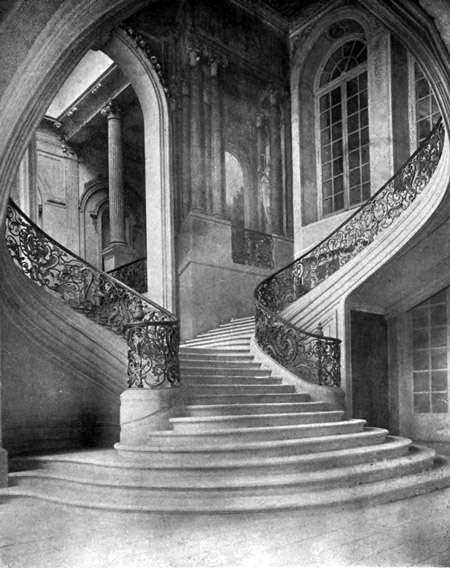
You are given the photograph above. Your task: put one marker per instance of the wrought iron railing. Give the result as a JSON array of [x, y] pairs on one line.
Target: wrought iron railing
[[133, 274], [312, 356], [252, 248], [151, 331]]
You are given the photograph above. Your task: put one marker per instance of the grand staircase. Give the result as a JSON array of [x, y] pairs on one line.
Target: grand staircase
[[245, 441]]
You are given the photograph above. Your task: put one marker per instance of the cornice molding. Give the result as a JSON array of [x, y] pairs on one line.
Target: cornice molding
[[141, 44], [271, 17]]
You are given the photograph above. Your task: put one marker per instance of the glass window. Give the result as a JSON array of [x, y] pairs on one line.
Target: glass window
[[425, 107], [344, 128], [430, 355]]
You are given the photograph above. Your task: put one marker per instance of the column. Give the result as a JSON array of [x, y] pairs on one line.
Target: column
[[207, 135], [118, 253], [217, 145], [72, 191], [276, 174], [186, 146], [197, 134], [260, 163], [288, 154]]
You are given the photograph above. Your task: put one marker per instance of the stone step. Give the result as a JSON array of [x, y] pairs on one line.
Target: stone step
[[304, 489], [226, 388], [214, 423], [256, 398], [238, 344], [244, 331], [173, 439], [222, 452], [217, 354], [242, 346], [235, 379], [267, 408], [213, 366], [108, 469], [225, 371]]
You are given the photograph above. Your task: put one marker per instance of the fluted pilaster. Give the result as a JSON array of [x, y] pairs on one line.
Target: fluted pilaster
[[217, 144], [72, 189], [197, 134], [276, 172]]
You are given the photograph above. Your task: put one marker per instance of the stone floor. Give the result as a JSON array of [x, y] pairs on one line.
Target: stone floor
[[414, 532]]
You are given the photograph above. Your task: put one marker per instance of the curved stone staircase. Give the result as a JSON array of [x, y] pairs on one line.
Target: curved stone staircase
[[245, 441]]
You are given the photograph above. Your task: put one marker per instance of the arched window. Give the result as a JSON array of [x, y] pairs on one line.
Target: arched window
[[343, 119], [425, 110]]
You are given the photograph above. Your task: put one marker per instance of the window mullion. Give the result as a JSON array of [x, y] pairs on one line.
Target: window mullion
[[345, 145]]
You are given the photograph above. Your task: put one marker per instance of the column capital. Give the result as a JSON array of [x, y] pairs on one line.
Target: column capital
[[194, 57], [111, 110], [260, 120], [68, 150]]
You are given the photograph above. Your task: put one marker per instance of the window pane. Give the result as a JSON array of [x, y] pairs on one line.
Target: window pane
[[421, 403], [326, 153], [422, 88], [366, 191], [355, 195], [339, 202], [337, 131], [338, 167], [353, 123], [352, 87], [324, 102], [421, 382], [352, 105], [337, 149], [325, 120], [353, 141], [438, 381], [439, 402], [353, 160], [355, 178], [336, 96]]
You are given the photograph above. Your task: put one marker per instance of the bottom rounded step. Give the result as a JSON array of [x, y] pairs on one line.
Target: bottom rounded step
[[408, 477]]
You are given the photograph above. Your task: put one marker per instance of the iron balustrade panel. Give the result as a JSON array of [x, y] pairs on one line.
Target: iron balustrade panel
[[83, 287], [252, 248], [153, 354], [133, 274], [292, 346]]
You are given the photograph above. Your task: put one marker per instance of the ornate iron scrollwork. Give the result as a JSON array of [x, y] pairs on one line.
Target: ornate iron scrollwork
[[153, 354], [312, 356], [89, 291], [252, 248], [133, 274]]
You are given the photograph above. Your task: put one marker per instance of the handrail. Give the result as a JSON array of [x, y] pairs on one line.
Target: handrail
[[133, 274], [152, 357], [312, 356]]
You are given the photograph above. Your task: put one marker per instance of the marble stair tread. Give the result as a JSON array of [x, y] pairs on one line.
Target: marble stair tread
[[254, 408], [256, 433], [257, 398], [225, 453], [135, 480], [253, 420], [242, 388], [376, 492], [225, 371], [231, 379], [246, 472], [218, 354]]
